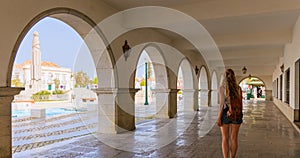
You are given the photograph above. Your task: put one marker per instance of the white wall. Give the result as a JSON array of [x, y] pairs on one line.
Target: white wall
[[290, 56]]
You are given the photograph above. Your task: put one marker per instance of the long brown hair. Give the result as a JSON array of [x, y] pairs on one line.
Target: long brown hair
[[233, 91], [232, 88]]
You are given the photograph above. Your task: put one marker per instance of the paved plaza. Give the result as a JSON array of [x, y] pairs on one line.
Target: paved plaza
[[265, 133]]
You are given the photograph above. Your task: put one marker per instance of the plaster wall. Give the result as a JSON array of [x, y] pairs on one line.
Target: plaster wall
[[290, 56]]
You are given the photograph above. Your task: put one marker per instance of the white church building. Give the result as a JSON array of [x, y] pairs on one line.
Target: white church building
[[50, 72]]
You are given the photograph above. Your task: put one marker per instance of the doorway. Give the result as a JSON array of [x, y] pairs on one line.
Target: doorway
[[253, 88]]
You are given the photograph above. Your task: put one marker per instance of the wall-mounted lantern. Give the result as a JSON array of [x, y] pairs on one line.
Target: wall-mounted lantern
[[244, 70], [126, 50], [282, 68]]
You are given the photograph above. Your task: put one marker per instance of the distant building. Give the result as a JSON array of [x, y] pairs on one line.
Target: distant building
[[50, 72]]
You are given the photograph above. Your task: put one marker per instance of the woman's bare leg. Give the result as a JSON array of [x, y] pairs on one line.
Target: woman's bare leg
[[234, 139], [225, 139]]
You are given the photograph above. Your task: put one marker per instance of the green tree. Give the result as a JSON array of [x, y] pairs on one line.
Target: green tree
[[142, 83], [16, 83], [95, 80], [81, 79]]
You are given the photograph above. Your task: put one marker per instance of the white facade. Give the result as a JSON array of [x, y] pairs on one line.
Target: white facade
[[50, 72]]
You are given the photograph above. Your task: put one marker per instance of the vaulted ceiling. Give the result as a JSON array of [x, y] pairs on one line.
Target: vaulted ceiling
[[248, 33]]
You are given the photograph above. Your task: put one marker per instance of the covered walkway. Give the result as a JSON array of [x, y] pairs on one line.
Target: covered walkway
[[266, 132]]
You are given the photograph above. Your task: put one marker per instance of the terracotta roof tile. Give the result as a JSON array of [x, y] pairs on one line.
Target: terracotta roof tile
[[44, 63]]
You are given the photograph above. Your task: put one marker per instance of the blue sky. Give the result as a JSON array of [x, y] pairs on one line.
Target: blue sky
[[60, 44]]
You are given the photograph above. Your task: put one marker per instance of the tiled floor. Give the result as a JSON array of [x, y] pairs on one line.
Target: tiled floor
[[31, 133], [265, 133]]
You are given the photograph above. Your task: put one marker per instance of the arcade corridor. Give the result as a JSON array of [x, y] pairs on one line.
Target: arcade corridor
[[202, 38]]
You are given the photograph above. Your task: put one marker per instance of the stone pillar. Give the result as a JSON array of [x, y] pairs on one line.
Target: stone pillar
[[125, 109], [161, 102], [214, 97], [296, 115], [196, 100], [116, 110], [173, 103], [166, 103], [209, 98], [6, 97], [269, 95], [189, 99], [203, 96], [106, 110]]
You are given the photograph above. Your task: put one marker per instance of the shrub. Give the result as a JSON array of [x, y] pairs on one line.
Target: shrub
[[41, 95], [58, 92]]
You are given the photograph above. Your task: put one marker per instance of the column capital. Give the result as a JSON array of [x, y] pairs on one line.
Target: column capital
[[10, 91], [126, 90], [115, 90], [105, 91], [166, 90], [189, 90], [205, 90]]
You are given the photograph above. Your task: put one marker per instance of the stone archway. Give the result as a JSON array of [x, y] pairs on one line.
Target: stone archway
[[188, 91], [203, 87], [102, 58], [89, 31], [145, 82], [253, 88], [161, 80]]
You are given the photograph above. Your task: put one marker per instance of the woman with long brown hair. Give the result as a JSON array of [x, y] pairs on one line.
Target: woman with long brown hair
[[230, 113]]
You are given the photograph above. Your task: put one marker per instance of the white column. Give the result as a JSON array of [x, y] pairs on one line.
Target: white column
[[116, 111], [189, 99], [125, 109], [214, 97], [106, 110], [166, 102], [203, 96]]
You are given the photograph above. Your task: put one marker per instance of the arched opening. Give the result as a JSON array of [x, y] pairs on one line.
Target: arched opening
[[214, 89], [185, 97], [57, 94], [145, 104], [253, 88], [203, 87], [151, 79], [180, 86]]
